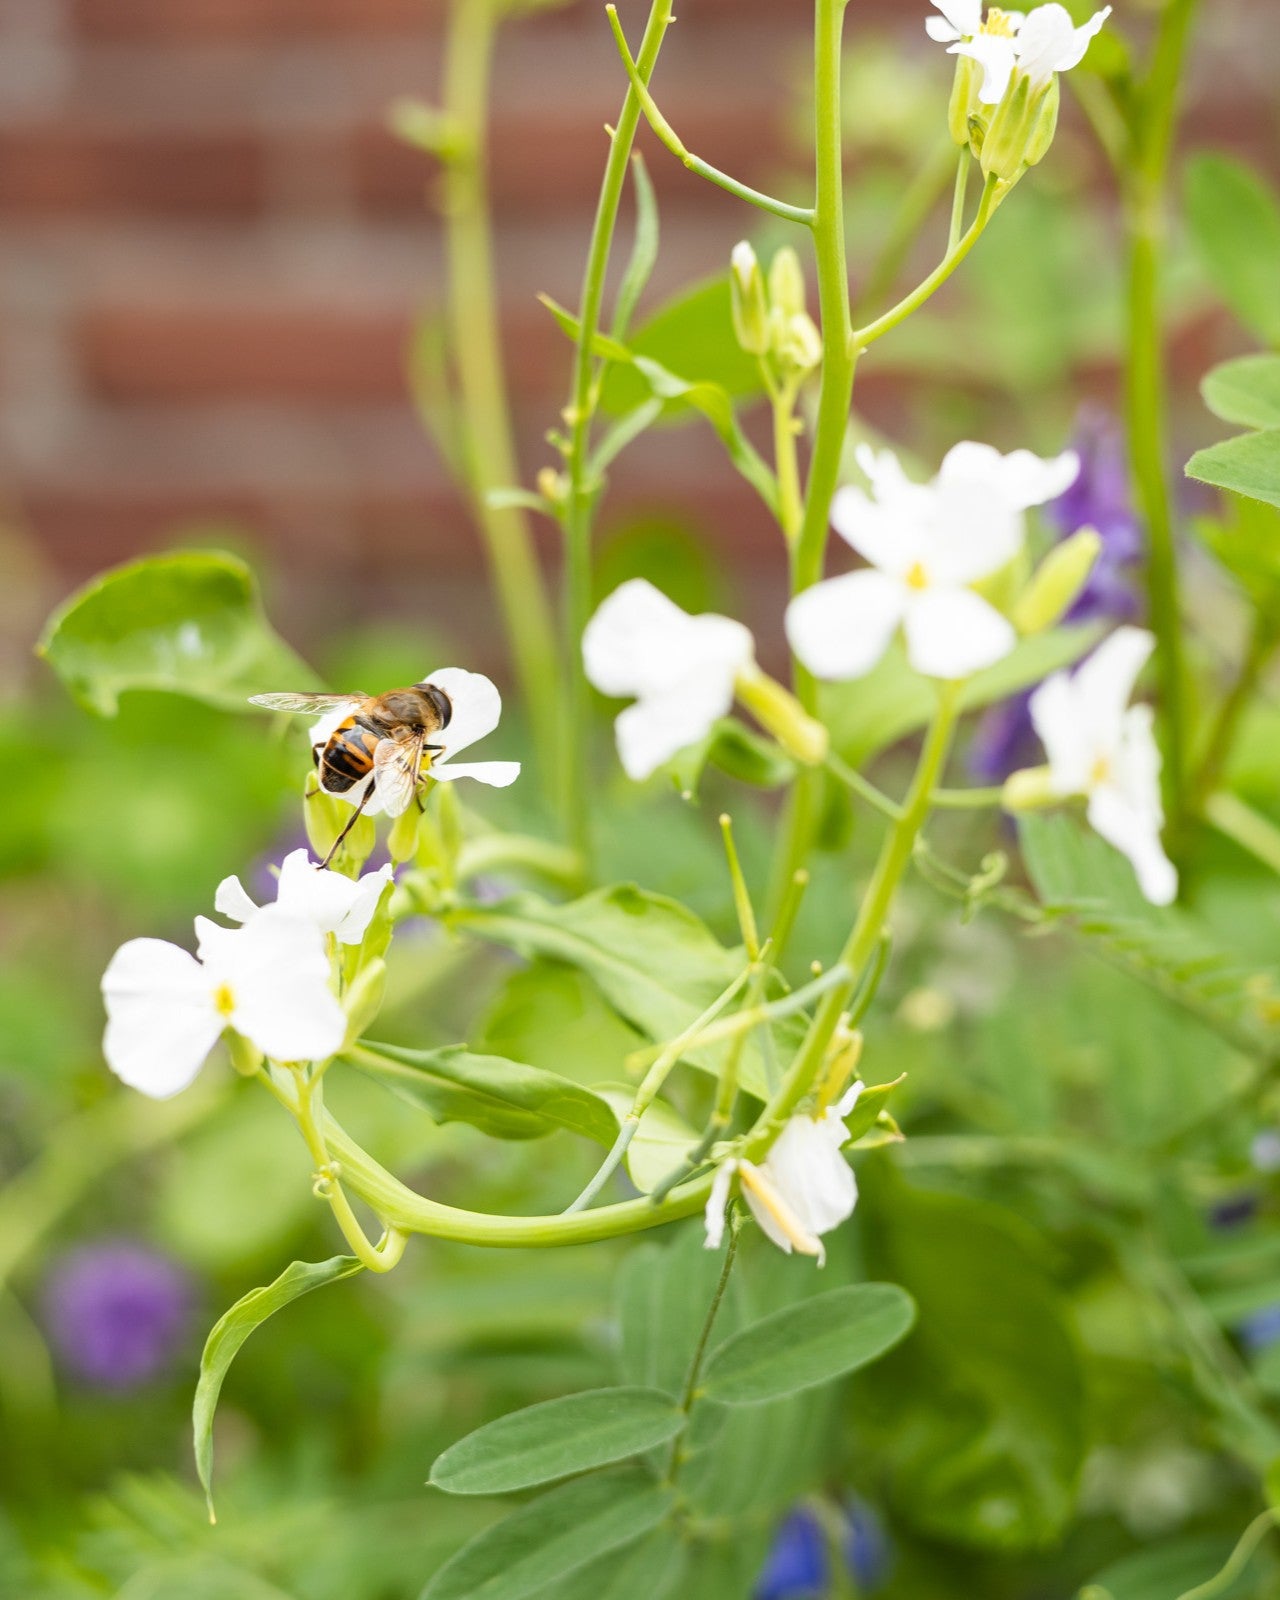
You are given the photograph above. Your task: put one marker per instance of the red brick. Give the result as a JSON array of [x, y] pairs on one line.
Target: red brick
[[50, 169], [220, 20]]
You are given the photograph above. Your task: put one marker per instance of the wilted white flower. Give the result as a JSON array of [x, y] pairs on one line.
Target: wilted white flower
[[802, 1189], [269, 981], [682, 671], [333, 903], [926, 544], [1042, 44], [1100, 746]]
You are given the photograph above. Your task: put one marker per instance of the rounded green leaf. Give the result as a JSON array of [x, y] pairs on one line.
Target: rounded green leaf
[[552, 1537], [1246, 390], [809, 1343], [558, 1438], [188, 623]]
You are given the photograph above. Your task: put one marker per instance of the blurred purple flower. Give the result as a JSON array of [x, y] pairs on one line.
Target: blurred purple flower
[[117, 1312], [1261, 1329], [798, 1565], [1099, 498], [1234, 1211]]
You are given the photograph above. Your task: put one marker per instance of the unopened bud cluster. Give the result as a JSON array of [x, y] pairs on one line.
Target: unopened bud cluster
[[770, 319]]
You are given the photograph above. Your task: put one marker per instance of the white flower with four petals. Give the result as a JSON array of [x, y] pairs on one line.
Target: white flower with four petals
[[1041, 44], [332, 902], [682, 671], [166, 1008], [926, 544], [803, 1188], [1102, 747]]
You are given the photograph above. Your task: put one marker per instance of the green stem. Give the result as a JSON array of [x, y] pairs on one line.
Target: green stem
[[1244, 826], [491, 458], [689, 1391], [862, 787], [1144, 187], [580, 491], [862, 337], [1261, 648], [860, 947], [1238, 1560], [914, 210], [967, 799], [957, 201], [790, 497]]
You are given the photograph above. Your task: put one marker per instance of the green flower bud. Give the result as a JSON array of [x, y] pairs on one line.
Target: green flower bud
[[799, 344], [779, 712], [426, 128], [1056, 584], [1029, 790], [786, 283], [246, 1058], [1021, 130], [965, 106], [750, 307], [402, 841], [363, 999], [1046, 125], [325, 816]]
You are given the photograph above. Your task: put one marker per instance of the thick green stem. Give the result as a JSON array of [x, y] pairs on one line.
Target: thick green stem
[[580, 490], [490, 452], [1145, 185]]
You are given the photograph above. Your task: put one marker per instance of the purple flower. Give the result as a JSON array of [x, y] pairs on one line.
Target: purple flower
[[798, 1564], [1260, 1330], [1098, 499], [117, 1312]]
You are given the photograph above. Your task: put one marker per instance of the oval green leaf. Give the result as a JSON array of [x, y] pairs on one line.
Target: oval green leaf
[[1246, 391], [553, 1537], [809, 1343], [557, 1439], [188, 623], [1248, 465]]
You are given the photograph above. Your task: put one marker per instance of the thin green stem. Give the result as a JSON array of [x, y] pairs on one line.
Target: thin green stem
[[968, 799], [668, 136], [862, 337], [957, 200], [741, 894], [490, 451], [580, 488], [1244, 826], [1144, 186], [689, 1391], [1262, 645], [862, 787], [1238, 1560], [790, 496]]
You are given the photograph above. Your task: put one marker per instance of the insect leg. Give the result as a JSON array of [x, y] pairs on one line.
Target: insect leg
[[351, 822]]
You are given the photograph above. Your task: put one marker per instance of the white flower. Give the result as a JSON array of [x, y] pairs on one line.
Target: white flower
[[333, 903], [268, 980], [477, 708], [1047, 41], [962, 19], [680, 669], [1100, 746], [926, 544], [803, 1188]]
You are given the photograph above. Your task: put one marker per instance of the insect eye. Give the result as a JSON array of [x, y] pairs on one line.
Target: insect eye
[[440, 700]]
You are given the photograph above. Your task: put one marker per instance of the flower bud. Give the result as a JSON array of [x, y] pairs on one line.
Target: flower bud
[[402, 841], [965, 107], [779, 712], [786, 283], [1057, 582], [325, 816], [363, 999], [750, 308], [245, 1056], [1031, 789], [426, 128], [799, 344], [1021, 130]]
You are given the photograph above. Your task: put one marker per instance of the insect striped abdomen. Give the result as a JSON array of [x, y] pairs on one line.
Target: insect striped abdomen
[[348, 757]]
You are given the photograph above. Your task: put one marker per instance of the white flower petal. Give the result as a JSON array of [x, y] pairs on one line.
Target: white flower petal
[[332, 902], [886, 531], [717, 1202], [477, 707], [841, 627], [775, 1216], [641, 643], [277, 972], [1131, 830], [806, 1168], [994, 53], [1067, 741], [1049, 42], [962, 17], [658, 727], [940, 31], [497, 774], [1022, 479], [954, 632], [231, 899], [1105, 682], [161, 1017]]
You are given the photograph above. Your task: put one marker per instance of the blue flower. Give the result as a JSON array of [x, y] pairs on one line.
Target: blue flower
[[1260, 1330], [117, 1313], [799, 1563]]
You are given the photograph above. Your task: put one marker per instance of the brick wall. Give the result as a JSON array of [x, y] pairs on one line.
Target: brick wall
[[211, 253]]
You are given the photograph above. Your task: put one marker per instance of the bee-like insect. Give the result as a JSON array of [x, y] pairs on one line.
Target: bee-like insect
[[382, 742]]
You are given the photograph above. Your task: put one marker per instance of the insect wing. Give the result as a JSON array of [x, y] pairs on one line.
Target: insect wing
[[311, 703], [397, 764]]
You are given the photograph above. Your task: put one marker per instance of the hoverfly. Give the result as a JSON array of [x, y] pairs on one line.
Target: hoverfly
[[382, 742]]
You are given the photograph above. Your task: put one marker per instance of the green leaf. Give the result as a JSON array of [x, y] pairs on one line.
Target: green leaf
[[571, 326], [807, 1344], [1248, 465], [659, 1144], [734, 749], [505, 1099], [892, 701], [652, 959], [644, 250], [977, 1421], [189, 623], [1246, 390], [1235, 223], [692, 333], [1168, 1570], [548, 1540], [652, 1570], [867, 1110], [552, 1015], [557, 1439], [1245, 538], [230, 1332], [1080, 878]]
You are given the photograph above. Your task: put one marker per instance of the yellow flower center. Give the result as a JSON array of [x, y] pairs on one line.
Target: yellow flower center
[[917, 577], [998, 23], [1100, 772], [224, 1000]]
